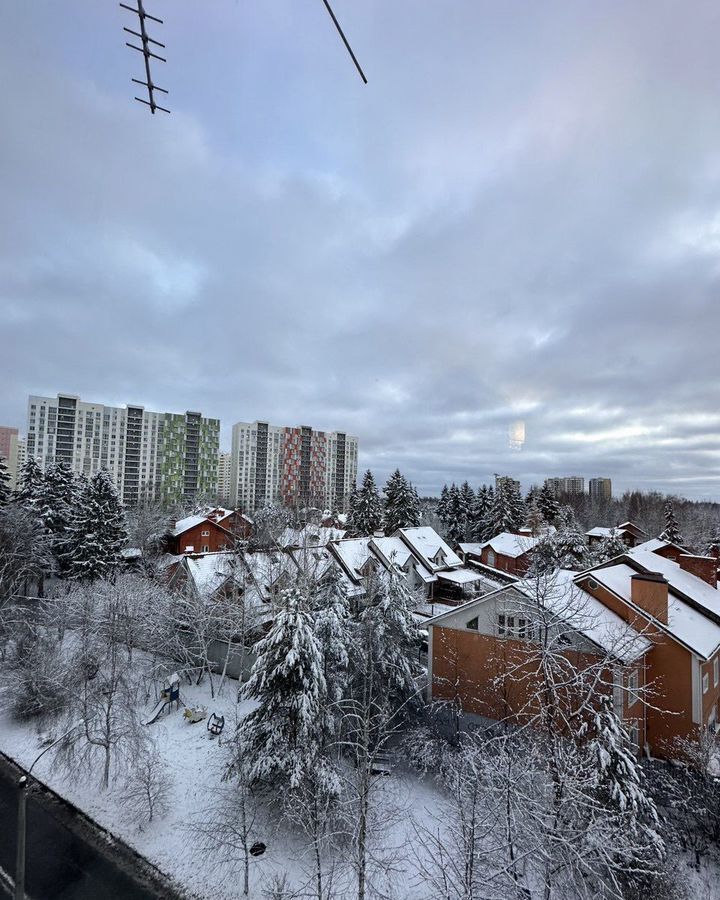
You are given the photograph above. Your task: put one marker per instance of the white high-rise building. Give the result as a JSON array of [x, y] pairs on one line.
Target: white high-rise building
[[149, 455], [291, 465], [224, 470]]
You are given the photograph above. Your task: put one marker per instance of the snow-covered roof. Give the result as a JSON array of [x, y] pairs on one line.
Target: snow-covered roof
[[654, 545], [187, 523], [353, 553], [426, 543], [474, 547], [603, 532], [311, 535], [210, 571], [392, 550], [508, 544], [461, 576], [686, 622]]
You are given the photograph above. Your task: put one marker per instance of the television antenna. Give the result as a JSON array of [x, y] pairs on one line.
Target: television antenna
[[148, 54]]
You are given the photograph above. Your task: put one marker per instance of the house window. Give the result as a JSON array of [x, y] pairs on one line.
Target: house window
[[716, 671], [501, 624], [706, 683], [491, 557], [634, 733], [205, 534], [473, 624], [633, 683], [206, 548]]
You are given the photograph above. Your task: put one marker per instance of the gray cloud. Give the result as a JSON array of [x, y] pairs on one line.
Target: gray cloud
[[519, 218]]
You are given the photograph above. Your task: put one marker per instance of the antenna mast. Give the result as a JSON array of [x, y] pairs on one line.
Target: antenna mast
[[147, 54]]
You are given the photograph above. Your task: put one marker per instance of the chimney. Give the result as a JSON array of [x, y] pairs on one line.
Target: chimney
[[649, 591], [704, 567]]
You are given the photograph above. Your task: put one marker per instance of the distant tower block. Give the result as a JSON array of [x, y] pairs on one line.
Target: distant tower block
[[516, 435]]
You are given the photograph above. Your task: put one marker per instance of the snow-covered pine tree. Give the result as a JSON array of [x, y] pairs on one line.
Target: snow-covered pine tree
[[5, 491], [610, 547], [456, 519], [467, 503], [565, 548], [507, 512], [332, 632], [96, 533], [672, 529], [283, 735], [402, 504], [366, 511], [387, 644], [479, 515], [442, 504], [549, 507]]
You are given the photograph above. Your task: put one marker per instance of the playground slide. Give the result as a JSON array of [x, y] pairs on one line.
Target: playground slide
[[159, 707]]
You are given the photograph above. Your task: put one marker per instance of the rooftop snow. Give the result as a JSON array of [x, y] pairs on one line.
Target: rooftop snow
[[426, 542], [508, 544], [461, 576], [188, 523]]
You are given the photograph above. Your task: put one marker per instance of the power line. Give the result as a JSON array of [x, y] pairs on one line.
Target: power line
[[344, 40]]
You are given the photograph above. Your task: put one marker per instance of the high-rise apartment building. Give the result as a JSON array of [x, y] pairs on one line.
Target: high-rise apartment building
[[12, 452], [291, 465], [224, 469], [600, 488], [149, 455], [507, 481], [570, 484]]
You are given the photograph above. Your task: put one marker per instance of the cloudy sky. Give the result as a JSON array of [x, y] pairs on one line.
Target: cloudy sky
[[517, 219]]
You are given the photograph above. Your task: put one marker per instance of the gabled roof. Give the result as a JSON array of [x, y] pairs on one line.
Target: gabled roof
[[425, 543], [656, 544], [693, 605], [514, 545], [576, 608], [187, 523], [352, 553], [603, 532]]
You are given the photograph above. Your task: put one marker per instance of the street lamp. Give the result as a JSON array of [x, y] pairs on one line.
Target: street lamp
[[22, 815]]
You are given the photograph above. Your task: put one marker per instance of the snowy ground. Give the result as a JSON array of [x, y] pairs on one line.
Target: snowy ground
[[195, 762]]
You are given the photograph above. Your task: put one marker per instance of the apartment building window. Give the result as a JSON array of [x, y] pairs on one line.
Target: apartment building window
[[706, 683], [716, 671]]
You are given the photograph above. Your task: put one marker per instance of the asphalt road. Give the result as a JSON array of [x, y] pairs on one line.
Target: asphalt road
[[63, 859]]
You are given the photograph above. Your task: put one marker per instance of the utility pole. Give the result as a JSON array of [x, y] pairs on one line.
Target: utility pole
[[23, 784]]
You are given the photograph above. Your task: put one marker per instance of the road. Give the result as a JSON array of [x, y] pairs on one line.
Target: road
[[66, 860]]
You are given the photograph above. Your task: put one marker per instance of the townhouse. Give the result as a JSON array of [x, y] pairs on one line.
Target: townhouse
[[654, 618]]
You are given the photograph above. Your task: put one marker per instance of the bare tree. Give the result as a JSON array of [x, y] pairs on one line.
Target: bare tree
[[147, 788]]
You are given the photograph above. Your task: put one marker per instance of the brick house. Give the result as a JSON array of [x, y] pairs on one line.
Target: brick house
[[215, 530], [629, 533], [507, 552], [669, 611]]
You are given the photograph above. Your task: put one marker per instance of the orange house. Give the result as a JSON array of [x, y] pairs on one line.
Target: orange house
[[656, 620], [208, 532]]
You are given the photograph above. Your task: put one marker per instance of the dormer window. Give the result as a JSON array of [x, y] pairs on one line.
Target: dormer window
[[439, 558]]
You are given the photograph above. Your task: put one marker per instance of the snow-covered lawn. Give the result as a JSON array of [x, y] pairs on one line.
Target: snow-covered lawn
[[195, 763]]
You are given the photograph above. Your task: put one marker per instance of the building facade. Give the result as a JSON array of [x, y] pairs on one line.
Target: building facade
[[600, 488], [150, 455], [570, 484], [12, 452], [224, 469], [295, 466]]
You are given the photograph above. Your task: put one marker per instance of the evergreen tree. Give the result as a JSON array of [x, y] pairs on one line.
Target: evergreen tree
[[610, 547], [467, 502], [549, 507], [565, 548], [31, 485], [96, 533], [534, 518], [672, 529], [332, 632], [5, 491], [507, 512], [283, 734], [366, 507], [480, 512], [442, 504], [402, 504], [387, 645], [456, 518], [58, 497]]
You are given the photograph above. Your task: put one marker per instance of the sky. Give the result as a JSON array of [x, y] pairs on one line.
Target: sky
[[516, 220]]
